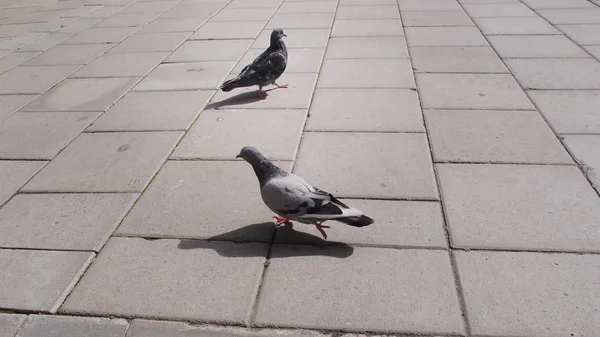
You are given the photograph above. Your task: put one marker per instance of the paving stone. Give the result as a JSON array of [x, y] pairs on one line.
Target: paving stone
[[471, 91], [498, 10], [188, 192], [106, 162], [254, 4], [383, 110], [394, 73], [363, 298], [571, 16], [456, 60], [186, 76], [46, 42], [362, 12], [244, 14], [535, 46], [397, 223], [582, 34], [14, 59], [151, 42], [145, 328], [594, 50], [127, 20], [493, 136], [10, 323], [363, 2], [444, 36], [202, 11], [556, 73], [81, 11], [220, 134], [300, 60], [328, 160], [68, 55], [122, 65], [62, 221], [105, 12], [77, 26], [33, 80], [539, 4], [101, 35], [40, 135], [21, 40], [210, 50], [429, 5], [297, 38], [143, 111], [356, 28], [157, 7], [39, 280], [515, 26], [520, 207], [53, 25], [308, 20], [436, 18], [228, 30], [11, 103], [69, 326], [569, 111], [366, 48], [536, 284], [14, 174], [297, 96], [488, 1], [83, 94], [199, 280], [585, 150], [169, 25], [307, 7]]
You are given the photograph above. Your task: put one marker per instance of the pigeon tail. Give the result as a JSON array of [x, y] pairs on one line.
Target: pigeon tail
[[356, 221], [231, 84]]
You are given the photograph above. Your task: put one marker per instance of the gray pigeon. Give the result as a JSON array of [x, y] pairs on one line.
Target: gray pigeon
[[292, 198], [265, 69]]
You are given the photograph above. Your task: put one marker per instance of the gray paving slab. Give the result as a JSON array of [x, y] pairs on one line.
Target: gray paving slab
[[569, 111], [150, 6], [68, 54], [307, 7], [383, 110], [40, 135], [209, 50], [101, 35], [77, 26], [14, 174], [46, 42], [127, 20], [220, 134], [21, 40], [367, 28], [536, 46], [243, 14], [429, 5], [121, 65], [62, 221], [571, 16], [228, 30], [136, 43], [254, 4], [105, 11], [363, 298], [541, 287], [146, 111], [186, 76], [109, 162], [71, 326], [308, 20], [203, 11], [371, 12], [297, 96], [487, 10], [296, 38], [594, 50], [168, 25], [456, 60], [199, 280], [37, 280], [582, 34], [471, 91], [14, 59], [10, 323], [363, 2], [328, 160], [186, 193], [585, 150], [33, 80], [384, 73], [520, 207], [436, 18], [397, 223], [300, 60], [366, 48], [556, 73], [540, 4], [515, 26], [146, 328], [11, 103], [444, 36], [493, 136], [83, 94]]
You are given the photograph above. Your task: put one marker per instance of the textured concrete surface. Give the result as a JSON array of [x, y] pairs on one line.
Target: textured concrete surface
[[469, 130]]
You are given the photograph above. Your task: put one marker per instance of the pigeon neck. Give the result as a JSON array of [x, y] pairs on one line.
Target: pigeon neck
[[265, 170], [277, 43]]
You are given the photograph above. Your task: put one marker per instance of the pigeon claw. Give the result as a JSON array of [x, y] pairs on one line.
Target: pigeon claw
[[282, 221], [320, 229], [262, 94], [281, 85]]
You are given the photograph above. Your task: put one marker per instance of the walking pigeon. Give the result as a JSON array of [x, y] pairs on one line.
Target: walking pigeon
[[292, 198], [265, 69]]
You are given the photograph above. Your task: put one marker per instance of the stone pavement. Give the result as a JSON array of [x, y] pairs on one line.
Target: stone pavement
[[469, 130]]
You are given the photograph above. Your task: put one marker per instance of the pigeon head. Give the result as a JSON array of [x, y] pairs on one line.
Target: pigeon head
[[276, 37], [263, 168], [251, 155]]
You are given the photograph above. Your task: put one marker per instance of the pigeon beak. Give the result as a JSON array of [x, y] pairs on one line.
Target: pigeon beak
[[284, 35], [238, 156]]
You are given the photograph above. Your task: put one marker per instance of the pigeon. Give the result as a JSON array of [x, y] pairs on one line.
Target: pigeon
[[292, 198], [265, 69]]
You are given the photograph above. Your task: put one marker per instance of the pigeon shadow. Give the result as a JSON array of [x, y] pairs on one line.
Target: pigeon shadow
[[239, 99], [294, 243]]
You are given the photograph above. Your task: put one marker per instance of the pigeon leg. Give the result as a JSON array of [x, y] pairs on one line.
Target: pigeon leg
[[261, 93], [282, 221], [320, 229], [281, 86]]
